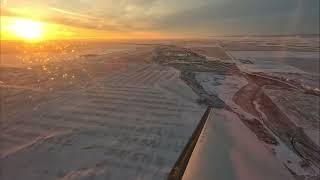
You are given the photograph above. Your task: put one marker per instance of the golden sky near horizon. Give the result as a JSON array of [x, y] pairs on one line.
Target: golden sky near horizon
[[115, 19], [32, 29], [36, 20]]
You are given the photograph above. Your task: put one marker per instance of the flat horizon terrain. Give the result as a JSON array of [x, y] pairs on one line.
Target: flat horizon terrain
[[126, 110]]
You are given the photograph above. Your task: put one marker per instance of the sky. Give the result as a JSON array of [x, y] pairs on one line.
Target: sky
[[168, 18]]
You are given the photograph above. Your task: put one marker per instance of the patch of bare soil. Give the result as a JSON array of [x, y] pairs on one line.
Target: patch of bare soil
[[245, 97]]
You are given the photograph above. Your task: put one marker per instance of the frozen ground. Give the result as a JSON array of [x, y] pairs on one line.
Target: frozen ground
[[276, 43], [223, 86], [131, 123], [13, 55], [267, 62], [279, 61], [110, 112], [274, 54], [303, 109], [300, 67]]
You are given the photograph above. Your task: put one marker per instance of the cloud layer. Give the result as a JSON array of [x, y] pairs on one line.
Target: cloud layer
[[196, 17]]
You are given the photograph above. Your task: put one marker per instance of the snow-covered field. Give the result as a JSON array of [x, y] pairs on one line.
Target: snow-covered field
[[117, 115], [301, 67], [302, 109], [223, 86], [279, 61], [28, 59], [274, 54], [128, 126]]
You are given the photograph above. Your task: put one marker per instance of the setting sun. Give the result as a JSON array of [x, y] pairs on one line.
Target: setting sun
[[27, 29]]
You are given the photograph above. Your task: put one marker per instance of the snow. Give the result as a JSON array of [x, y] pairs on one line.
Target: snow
[[278, 61], [271, 67], [132, 125], [20, 59], [302, 109], [301, 67], [288, 157], [273, 54], [223, 86]]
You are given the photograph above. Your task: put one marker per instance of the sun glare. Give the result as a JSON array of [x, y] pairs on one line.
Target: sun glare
[[27, 29]]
